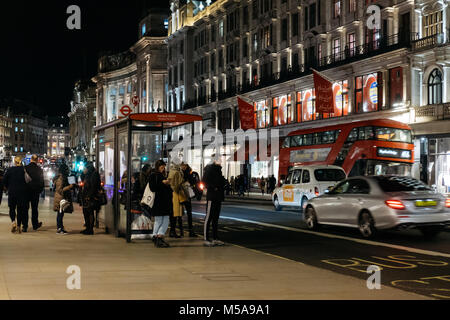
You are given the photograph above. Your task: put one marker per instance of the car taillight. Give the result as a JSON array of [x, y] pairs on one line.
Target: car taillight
[[201, 186], [447, 202], [316, 191], [395, 204]]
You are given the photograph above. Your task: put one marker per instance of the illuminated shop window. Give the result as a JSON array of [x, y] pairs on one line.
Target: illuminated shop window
[[283, 111]]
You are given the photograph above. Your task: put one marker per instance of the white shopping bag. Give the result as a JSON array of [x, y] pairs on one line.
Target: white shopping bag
[[149, 197], [141, 228]]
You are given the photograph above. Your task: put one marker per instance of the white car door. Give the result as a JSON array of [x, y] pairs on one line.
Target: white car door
[[286, 193]]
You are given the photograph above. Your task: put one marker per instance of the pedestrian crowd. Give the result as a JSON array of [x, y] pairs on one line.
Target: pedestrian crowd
[[172, 190], [25, 185], [240, 185]]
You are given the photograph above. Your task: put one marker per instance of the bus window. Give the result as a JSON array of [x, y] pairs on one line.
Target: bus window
[[308, 139], [393, 134], [361, 134], [297, 141], [286, 143], [317, 138], [353, 136], [369, 133]]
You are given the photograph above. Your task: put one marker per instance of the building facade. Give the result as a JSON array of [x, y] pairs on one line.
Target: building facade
[[5, 136], [58, 141], [29, 135], [264, 50], [138, 74], [82, 119]]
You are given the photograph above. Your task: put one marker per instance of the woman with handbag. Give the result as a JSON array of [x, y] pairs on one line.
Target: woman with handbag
[[162, 206], [90, 197], [62, 202]]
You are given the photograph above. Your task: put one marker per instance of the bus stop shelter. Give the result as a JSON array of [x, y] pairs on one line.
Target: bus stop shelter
[[124, 146]]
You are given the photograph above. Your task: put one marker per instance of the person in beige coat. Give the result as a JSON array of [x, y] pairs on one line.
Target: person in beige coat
[[178, 197]]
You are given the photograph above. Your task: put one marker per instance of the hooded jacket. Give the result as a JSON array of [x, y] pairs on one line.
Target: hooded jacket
[[215, 182]]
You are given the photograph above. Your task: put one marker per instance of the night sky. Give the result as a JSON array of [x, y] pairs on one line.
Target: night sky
[[41, 59]]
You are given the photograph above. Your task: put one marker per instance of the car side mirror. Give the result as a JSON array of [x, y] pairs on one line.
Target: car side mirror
[[327, 191]]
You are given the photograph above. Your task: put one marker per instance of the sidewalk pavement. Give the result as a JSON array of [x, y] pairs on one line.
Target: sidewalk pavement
[[33, 266]]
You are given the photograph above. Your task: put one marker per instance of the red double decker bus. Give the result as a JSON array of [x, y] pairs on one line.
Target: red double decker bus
[[372, 147]]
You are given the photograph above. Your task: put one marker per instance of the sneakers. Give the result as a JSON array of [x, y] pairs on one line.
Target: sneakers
[[38, 226], [214, 243], [62, 232], [14, 227], [208, 244], [218, 243]]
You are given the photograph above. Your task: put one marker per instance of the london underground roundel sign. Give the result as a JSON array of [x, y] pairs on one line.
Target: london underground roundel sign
[[126, 111]]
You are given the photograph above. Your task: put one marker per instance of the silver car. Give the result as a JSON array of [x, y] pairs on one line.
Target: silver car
[[380, 202]]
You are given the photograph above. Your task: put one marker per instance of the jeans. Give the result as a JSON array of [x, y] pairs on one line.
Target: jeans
[[59, 220], [161, 226]]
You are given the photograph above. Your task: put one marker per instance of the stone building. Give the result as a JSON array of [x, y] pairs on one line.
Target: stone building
[[58, 141], [82, 119], [138, 73], [263, 51]]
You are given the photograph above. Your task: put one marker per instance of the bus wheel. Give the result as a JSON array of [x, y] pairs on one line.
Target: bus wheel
[[276, 204]]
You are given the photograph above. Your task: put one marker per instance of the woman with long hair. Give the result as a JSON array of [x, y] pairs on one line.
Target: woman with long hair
[[162, 208], [62, 192]]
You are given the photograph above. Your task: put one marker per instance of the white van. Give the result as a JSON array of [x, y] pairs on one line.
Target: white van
[[304, 183]]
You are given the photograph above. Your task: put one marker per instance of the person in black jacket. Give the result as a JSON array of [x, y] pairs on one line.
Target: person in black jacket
[[36, 186], [188, 176], [162, 208], [215, 183], [14, 182], [89, 197]]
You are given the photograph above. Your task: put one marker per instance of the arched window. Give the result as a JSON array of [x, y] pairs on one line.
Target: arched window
[[435, 87]]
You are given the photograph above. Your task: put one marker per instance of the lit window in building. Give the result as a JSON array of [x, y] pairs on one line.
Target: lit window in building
[[283, 111], [337, 8], [435, 87], [336, 48], [166, 24], [367, 92], [352, 6], [352, 44], [15, 149], [262, 114], [21, 149], [221, 28], [433, 24], [144, 29], [16, 130]]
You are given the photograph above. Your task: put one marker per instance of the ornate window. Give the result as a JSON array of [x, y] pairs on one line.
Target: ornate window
[[435, 87]]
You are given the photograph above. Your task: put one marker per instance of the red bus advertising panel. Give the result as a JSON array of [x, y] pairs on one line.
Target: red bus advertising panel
[[372, 147]]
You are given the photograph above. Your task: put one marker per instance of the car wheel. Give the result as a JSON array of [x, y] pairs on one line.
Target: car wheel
[[366, 225], [310, 218], [276, 204], [303, 204], [430, 232]]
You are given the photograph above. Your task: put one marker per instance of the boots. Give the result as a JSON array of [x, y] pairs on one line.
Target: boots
[[89, 219]]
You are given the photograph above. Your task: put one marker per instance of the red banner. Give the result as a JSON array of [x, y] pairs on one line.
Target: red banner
[[324, 94], [247, 114]]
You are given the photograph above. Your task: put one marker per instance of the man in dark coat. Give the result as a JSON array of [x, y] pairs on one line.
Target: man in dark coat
[[36, 186], [14, 182], [215, 183]]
